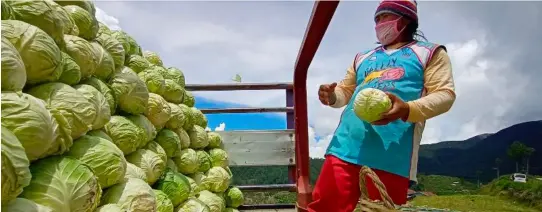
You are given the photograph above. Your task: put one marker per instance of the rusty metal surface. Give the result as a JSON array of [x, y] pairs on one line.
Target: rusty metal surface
[[239, 86]]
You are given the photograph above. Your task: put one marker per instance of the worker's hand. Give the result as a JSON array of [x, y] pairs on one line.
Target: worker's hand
[[326, 93], [398, 110]]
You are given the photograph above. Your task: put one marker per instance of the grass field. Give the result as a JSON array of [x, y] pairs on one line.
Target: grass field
[[472, 203]]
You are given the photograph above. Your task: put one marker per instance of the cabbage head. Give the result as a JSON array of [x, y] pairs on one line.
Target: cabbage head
[[370, 103], [42, 14], [40, 54], [98, 100], [189, 120], [193, 186], [37, 128], [170, 164], [215, 140], [104, 158], [137, 63], [124, 133], [158, 111], [198, 117], [175, 185], [131, 94], [132, 171], [188, 99], [176, 75], [71, 72], [69, 25], [104, 89], [109, 208], [193, 205], [121, 37], [24, 205], [13, 70], [153, 58], [99, 133], [132, 195], [86, 23], [173, 92], [145, 125], [163, 203], [154, 81], [234, 197], [134, 47], [150, 162], [65, 177], [7, 11], [215, 202], [198, 178], [114, 48], [15, 172], [198, 137], [219, 157], [105, 64], [83, 54], [77, 109], [87, 5], [103, 29], [217, 180], [156, 148], [204, 161], [183, 137], [231, 210], [170, 141], [177, 118], [187, 162]]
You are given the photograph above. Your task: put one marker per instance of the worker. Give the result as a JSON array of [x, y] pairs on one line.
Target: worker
[[417, 76]]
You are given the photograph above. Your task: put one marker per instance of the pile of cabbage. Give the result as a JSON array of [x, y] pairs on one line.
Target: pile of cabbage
[[90, 122]]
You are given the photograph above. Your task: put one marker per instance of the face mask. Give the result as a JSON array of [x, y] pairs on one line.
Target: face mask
[[387, 32]]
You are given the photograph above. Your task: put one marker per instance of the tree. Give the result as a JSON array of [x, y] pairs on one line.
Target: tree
[[526, 158], [478, 173], [516, 152], [498, 162]]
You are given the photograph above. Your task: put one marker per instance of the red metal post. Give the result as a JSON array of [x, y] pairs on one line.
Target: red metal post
[[321, 16]]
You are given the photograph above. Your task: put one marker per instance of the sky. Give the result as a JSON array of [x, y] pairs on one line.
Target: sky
[[493, 47]]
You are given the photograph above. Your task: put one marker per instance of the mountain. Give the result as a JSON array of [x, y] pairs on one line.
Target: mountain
[[450, 158]]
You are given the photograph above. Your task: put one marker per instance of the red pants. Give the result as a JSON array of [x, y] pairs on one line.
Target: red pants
[[337, 187]]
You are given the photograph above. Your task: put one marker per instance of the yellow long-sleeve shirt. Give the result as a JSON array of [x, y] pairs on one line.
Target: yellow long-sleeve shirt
[[438, 97]]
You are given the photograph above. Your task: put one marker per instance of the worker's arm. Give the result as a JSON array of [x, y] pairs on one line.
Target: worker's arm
[[439, 85], [346, 87]]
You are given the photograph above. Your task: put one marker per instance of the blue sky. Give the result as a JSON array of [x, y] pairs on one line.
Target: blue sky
[[493, 47]]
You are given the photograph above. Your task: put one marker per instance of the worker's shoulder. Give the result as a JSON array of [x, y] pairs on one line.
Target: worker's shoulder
[[428, 45]]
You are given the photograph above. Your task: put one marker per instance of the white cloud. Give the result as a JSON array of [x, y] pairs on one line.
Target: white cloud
[[109, 21], [221, 127]]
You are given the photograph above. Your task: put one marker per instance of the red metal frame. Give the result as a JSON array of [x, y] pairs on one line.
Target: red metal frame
[[321, 16]]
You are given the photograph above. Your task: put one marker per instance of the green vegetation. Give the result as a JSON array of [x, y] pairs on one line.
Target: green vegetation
[[472, 203], [529, 193], [444, 185]]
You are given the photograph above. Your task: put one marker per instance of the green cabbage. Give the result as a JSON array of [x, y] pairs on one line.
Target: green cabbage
[[187, 162], [151, 163], [204, 161], [189, 120], [98, 100], [183, 137], [65, 177], [163, 203], [156, 148], [69, 25], [137, 63], [370, 103], [124, 133], [105, 63], [198, 118], [134, 47], [154, 81], [173, 92], [219, 157], [40, 54], [24, 205], [198, 178], [102, 156], [86, 23], [215, 141], [170, 141], [42, 14], [146, 126], [103, 29], [193, 186], [234, 197], [153, 58], [7, 11], [13, 71], [77, 109], [215, 202], [158, 111], [188, 99], [83, 54], [15, 172], [131, 94], [99, 133], [133, 195], [170, 164], [71, 72], [193, 205], [34, 126], [175, 185], [85, 4], [217, 179], [176, 75], [104, 89], [132, 171], [121, 37], [177, 117], [109, 208], [231, 210], [115, 49], [198, 137]]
